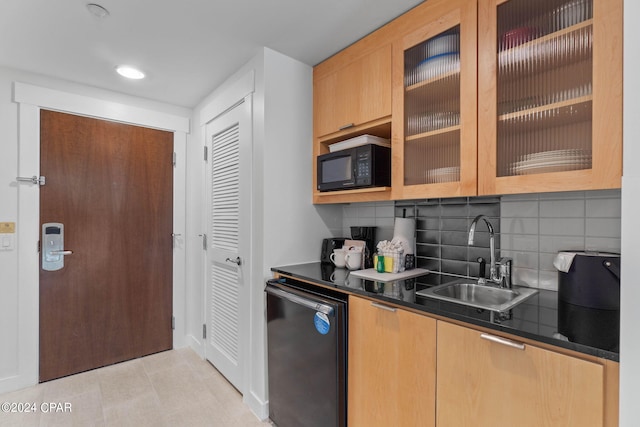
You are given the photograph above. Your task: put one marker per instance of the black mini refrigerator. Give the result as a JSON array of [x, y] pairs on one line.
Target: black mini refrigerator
[[306, 348], [589, 300]]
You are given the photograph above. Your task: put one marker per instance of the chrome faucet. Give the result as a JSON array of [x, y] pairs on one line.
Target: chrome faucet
[[499, 271]]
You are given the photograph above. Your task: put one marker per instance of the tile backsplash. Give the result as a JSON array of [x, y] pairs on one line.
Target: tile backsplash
[[530, 228], [536, 226]]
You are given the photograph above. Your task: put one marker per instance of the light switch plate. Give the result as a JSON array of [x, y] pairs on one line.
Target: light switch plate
[[7, 227], [6, 242]]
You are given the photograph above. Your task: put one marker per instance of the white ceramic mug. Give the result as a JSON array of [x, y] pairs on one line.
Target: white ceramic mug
[[337, 257], [353, 259]]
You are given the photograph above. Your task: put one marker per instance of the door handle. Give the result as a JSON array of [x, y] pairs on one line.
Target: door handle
[[40, 180], [53, 251], [236, 261], [313, 305], [63, 252]]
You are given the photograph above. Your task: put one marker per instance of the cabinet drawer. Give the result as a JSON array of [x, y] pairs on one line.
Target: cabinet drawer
[[391, 366], [485, 380]]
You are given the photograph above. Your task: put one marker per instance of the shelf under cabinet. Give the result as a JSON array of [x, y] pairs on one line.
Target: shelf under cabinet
[[373, 194], [561, 113], [425, 135], [441, 80]]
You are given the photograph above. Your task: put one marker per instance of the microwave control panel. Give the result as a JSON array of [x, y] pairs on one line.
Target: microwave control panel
[[363, 167]]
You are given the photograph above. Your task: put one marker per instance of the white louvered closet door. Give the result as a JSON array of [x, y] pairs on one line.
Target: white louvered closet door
[[228, 234]]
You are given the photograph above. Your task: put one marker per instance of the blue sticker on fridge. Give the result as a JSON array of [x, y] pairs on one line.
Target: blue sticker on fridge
[[321, 321]]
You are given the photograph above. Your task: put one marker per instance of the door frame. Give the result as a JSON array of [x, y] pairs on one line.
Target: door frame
[[31, 99]]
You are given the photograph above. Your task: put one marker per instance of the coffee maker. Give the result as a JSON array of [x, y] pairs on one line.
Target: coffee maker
[[368, 235]]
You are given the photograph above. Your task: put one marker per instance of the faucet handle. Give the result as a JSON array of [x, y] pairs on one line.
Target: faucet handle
[[482, 268], [505, 265], [505, 260]]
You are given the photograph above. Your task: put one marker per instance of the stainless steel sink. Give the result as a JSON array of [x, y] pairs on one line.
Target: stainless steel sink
[[480, 296]]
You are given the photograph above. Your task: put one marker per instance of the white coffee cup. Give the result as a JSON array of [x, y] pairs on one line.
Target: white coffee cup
[[337, 257], [353, 259]]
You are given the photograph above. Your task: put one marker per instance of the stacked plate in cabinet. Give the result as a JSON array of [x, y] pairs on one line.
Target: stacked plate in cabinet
[[440, 175], [442, 57], [552, 161]]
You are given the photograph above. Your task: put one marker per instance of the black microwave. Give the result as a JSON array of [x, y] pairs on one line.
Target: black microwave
[[358, 167]]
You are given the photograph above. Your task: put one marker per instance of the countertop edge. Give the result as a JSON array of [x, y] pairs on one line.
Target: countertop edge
[[567, 345]]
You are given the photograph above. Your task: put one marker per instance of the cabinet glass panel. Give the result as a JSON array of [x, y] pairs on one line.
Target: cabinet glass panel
[[545, 67], [432, 110]]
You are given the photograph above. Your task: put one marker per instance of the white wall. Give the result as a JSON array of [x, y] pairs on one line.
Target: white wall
[[8, 213], [18, 351], [630, 290], [287, 227]]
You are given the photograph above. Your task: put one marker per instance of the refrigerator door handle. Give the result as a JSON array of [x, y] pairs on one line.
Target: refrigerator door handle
[[317, 306]]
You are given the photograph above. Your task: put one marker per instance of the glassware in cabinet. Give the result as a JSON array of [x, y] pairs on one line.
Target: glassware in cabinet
[[550, 98], [434, 134], [432, 110], [544, 80]]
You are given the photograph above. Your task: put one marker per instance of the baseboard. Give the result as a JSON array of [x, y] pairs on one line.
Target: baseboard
[[195, 344], [259, 407], [18, 382]]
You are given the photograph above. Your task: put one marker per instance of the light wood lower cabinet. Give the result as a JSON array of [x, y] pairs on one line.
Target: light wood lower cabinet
[[392, 366], [485, 383]]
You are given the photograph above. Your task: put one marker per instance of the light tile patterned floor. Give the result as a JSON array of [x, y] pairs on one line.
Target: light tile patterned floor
[[172, 388]]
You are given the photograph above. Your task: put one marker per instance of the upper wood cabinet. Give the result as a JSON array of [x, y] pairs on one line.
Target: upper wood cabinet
[[550, 95], [434, 112], [502, 382], [356, 93], [482, 97], [352, 97], [392, 366]]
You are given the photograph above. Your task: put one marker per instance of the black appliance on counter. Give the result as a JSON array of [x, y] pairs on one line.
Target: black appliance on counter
[[589, 300], [307, 354], [328, 245], [358, 167], [368, 235]]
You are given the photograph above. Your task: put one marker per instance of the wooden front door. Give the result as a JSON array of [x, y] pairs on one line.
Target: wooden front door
[[111, 186]]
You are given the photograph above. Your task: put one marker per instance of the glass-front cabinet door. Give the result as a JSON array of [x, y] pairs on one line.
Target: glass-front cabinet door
[[549, 95], [434, 132]]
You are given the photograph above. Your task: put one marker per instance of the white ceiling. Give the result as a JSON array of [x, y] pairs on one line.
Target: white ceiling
[[186, 47]]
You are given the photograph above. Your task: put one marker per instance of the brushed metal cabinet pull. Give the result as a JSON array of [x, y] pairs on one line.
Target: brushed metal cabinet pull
[[347, 126], [383, 307], [503, 341]]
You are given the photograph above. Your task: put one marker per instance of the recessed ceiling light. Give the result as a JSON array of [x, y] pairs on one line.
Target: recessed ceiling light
[[129, 72], [97, 10]]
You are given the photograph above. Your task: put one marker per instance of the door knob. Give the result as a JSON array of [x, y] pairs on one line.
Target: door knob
[[236, 261]]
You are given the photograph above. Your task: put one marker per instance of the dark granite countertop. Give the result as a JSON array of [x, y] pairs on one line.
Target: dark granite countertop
[[536, 318]]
